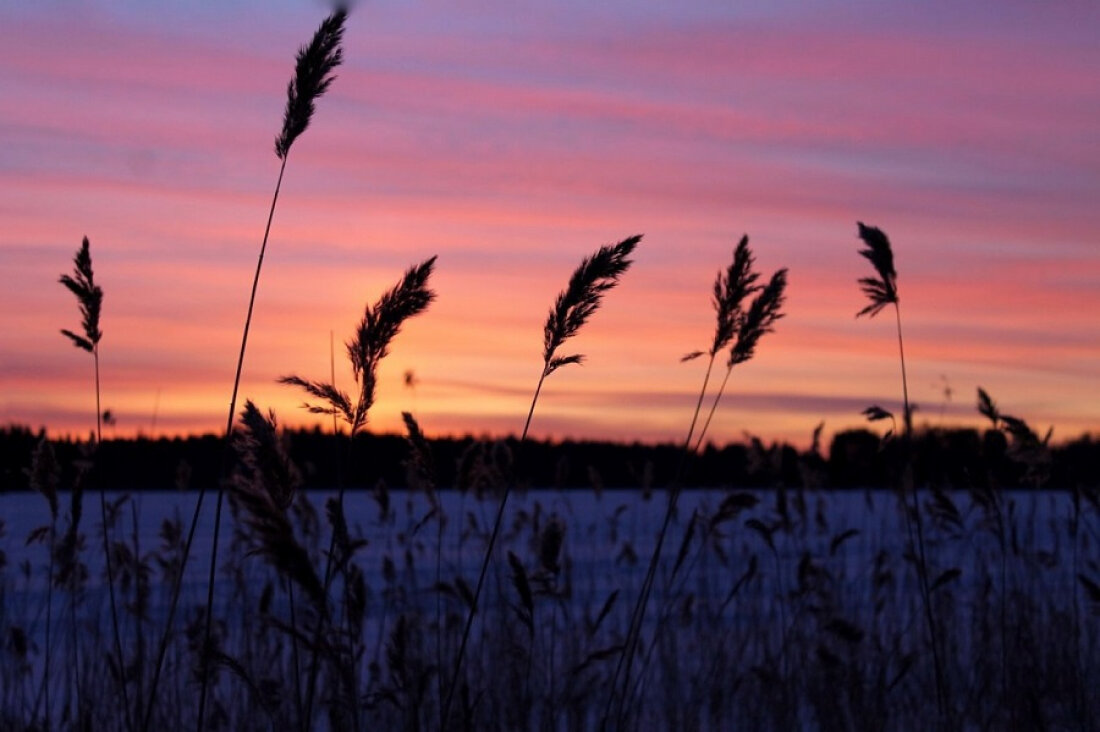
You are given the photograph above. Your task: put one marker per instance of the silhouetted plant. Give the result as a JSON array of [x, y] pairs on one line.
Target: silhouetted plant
[[264, 486], [313, 75], [89, 296], [595, 276], [739, 329], [381, 322], [882, 291]]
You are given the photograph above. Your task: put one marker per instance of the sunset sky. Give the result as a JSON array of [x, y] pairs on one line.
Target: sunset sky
[[511, 139]]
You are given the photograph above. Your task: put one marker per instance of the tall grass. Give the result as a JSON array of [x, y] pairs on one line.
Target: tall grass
[[370, 344], [313, 75], [881, 292], [574, 306], [836, 561], [739, 329], [44, 478], [89, 296]]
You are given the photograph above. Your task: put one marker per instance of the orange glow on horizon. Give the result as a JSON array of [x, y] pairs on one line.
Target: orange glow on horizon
[[513, 149]]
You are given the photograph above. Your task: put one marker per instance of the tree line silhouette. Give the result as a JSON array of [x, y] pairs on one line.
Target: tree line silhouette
[[858, 458]]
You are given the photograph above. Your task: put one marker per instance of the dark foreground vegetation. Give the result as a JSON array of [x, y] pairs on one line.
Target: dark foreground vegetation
[[786, 608]]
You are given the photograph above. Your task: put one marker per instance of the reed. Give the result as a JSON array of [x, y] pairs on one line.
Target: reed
[[380, 324], [739, 329], [89, 296], [881, 292], [581, 298], [313, 75]]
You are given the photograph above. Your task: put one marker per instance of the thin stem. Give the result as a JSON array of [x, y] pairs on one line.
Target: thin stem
[[139, 632], [439, 608], [626, 658], [312, 683], [713, 409], [294, 656], [485, 561], [177, 587], [922, 563], [49, 622], [79, 714], [228, 435], [107, 552], [311, 687], [904, 380]]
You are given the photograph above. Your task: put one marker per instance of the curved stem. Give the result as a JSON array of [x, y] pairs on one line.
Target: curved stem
[[202, 493], [49, 622], [485, 563], [626, 658], [107, 553], [922, 563], [713, 409], [904, 380], [323, 616]]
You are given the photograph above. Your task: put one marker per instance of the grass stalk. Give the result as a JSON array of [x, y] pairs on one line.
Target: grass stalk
[[739, 329], [574, 306], [89, 296], [313, 76], [380, 324], [882, 291]]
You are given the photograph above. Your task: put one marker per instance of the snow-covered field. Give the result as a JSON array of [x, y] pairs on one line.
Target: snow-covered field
[[797, 583]]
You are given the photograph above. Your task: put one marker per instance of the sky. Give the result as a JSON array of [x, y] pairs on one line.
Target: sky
[[514, 138]]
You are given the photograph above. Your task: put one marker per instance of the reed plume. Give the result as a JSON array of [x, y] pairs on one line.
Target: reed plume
[[765, 309], [371, 343], [89, 297], [575, 305], [313, 76], [739, 329], [1025, 446], [264, 486], [882, 291], [596, 275], [380, 324]]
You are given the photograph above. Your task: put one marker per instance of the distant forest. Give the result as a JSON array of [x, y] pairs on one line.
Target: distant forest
[[950, 459]]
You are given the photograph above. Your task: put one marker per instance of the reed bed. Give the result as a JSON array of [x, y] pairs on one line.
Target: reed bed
[[1020, 629]]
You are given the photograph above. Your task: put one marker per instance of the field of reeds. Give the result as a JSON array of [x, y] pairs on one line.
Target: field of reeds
[[248, 603]]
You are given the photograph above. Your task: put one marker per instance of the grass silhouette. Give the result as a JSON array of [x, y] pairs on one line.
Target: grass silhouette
[[313, 75], [592, 279], [330, 621]]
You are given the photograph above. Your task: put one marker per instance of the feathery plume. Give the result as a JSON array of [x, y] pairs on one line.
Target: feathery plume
[[881, 291], [987, 407], [731, 287], [264, 487], [312, 77], [265, 463], [766, 308], [90, 297], [380, 324], [45, 474], [595, 276]]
